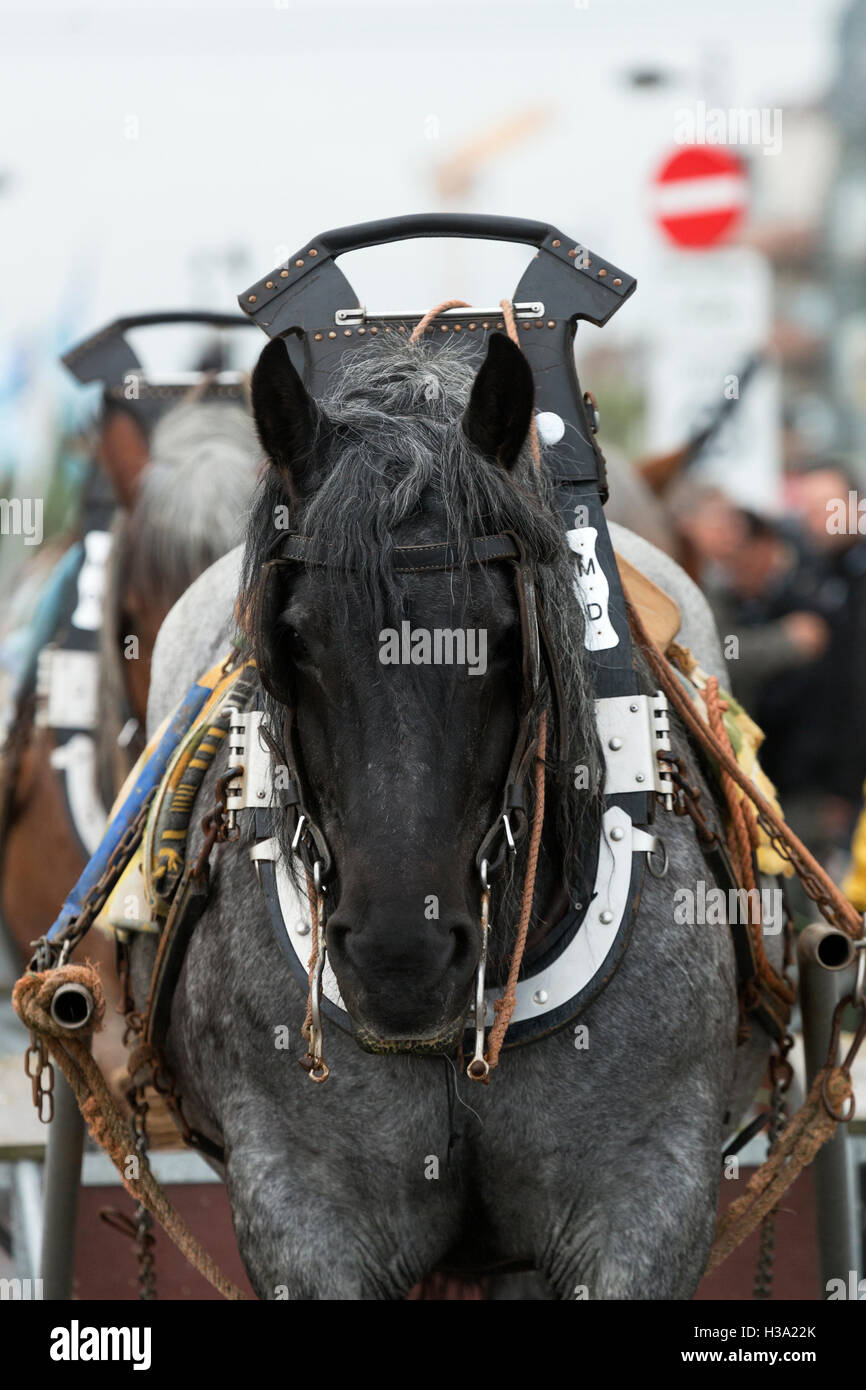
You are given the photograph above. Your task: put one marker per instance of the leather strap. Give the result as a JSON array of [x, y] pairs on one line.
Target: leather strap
[[413, 559], [536, 647]]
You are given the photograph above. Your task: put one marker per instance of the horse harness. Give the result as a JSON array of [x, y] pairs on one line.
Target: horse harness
[[579, 955]]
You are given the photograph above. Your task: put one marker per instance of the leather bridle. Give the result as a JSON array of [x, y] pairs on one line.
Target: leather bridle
[[509, 827]]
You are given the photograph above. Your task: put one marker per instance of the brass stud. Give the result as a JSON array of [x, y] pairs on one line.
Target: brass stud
[[318, 337], [500, 325], [299, 262], [540, 323], [551, 323], [283, 274], [443, 328], [269, 284], [573, 251], [485, 325], [374, 330], [601, 273], [556, 242], [312, 252], [362, 330], [252, 299], [347, 332], [472, 327], [617, 281], [332, 334], [458, 328], [526, 327]]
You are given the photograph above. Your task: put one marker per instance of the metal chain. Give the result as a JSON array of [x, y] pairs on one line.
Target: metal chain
[[40, 1069], [144, 1238], [763, 1286], [811, 884]]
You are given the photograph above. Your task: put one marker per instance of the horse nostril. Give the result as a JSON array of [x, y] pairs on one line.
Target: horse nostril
[[337, 934], [463, 938]]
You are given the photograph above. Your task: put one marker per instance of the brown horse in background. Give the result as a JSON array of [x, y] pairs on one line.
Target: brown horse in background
[[183, 503]]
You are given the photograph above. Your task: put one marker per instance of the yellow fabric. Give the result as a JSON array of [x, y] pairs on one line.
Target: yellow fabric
[[854, 886], [746, 738], [132, 904]]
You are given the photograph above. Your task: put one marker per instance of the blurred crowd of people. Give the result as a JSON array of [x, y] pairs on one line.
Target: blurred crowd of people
[[789, 596]]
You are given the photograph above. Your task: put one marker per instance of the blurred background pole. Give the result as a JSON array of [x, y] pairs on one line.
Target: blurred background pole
[[62, 1181], [834, 1177]]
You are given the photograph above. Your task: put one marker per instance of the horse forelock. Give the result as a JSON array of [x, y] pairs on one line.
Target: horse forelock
[[395, 467]]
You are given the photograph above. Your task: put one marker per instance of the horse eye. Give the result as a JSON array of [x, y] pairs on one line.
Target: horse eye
[[298, 649]]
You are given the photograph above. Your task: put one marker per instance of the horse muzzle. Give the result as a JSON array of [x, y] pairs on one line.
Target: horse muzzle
[[443, 1042]]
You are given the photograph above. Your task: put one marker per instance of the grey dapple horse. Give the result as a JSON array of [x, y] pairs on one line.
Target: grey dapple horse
[[596, 1169]]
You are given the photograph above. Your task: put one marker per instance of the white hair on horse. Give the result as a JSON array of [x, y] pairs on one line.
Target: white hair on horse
[[195, 494]]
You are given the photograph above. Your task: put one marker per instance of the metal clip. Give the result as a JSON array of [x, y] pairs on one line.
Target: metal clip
[[479, 1069]]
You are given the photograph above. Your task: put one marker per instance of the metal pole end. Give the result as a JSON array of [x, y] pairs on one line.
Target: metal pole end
[[820, 944], [71, 1006]]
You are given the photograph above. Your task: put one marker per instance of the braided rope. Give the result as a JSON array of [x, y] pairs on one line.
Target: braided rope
[[110, 1129], [845, 915], [423, 324], [742, 838], [504, 1007], [314, 954], [797, 1145]]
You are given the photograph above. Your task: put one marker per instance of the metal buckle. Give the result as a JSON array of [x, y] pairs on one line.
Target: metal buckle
[[479, 1068], [347, 318], [633, 730], [509, 837], [296, 838]]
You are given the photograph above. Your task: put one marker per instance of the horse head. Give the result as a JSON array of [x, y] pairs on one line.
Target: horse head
[[392, 639]]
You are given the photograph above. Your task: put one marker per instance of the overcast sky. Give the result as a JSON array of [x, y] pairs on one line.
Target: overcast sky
[[165, 155], [143, 142]]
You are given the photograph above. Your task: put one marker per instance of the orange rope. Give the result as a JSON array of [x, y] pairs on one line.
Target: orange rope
[[795, 1149], [510, 323], [504, 1007], [833, 904], [314, 954], [31, 999], [742, 836], [423, 324]]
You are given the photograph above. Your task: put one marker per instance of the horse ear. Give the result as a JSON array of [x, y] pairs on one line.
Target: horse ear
[[123, 453], [499, 412], [285, 413]]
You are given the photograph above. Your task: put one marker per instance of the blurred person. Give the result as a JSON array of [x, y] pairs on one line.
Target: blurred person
[[709, 529], [754, 605], [817, 752]]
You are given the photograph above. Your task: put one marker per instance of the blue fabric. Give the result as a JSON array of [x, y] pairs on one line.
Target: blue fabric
[[21, 647], [151, 774]]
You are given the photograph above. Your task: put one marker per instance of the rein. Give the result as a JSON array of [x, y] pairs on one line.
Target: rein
[[630, 789], [510, 825]]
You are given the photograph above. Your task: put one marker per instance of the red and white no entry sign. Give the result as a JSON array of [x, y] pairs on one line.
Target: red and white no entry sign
[[699, 195]]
